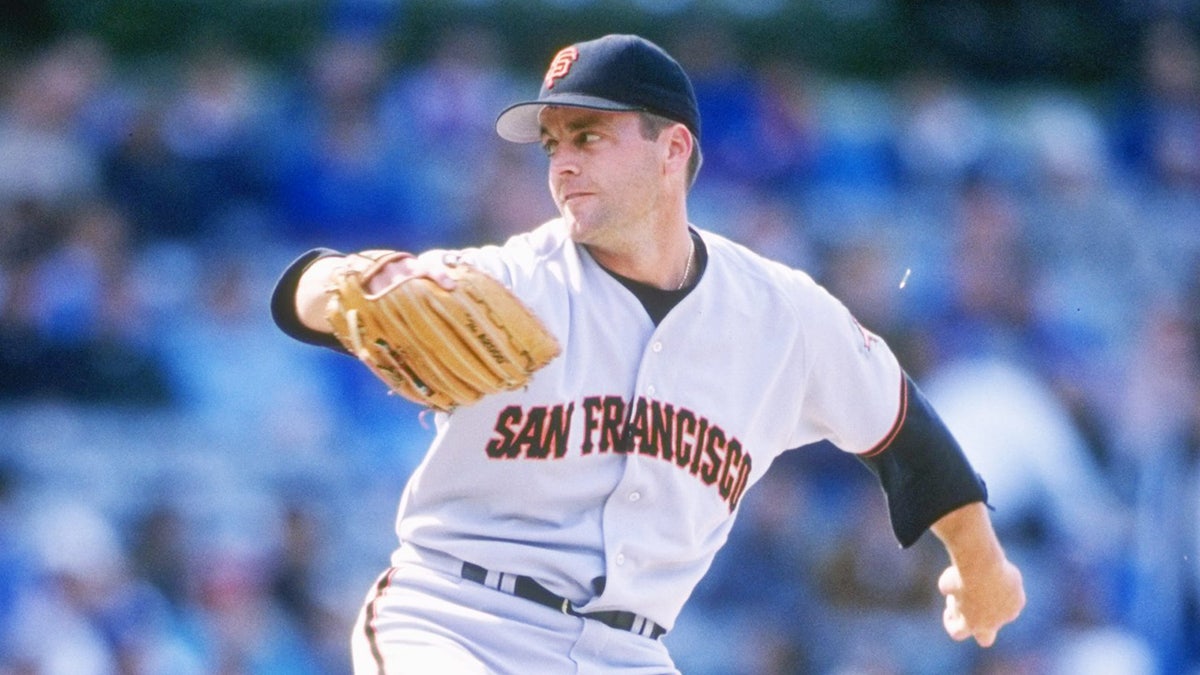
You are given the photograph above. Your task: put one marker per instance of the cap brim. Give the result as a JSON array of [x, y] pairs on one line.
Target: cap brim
[[519, 122]]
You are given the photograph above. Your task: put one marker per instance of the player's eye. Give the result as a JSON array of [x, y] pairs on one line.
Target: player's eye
[[548, 147], [587, 137]]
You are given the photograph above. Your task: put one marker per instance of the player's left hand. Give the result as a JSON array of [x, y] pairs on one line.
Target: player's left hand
[[980, 603]]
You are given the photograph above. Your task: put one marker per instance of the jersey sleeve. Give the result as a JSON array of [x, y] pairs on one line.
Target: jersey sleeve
[[852, 381], [859, 398], [518, 262], [922, 469]]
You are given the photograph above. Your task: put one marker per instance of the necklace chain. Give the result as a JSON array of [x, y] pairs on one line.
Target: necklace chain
[[687, 270]]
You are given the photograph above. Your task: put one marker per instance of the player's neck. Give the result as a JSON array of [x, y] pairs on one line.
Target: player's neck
[[665, 261]]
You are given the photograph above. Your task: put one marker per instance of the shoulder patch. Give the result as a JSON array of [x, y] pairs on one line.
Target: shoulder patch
[[869, 339]]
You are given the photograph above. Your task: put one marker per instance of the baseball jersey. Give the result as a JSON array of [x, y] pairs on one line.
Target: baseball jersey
[[615, 476]]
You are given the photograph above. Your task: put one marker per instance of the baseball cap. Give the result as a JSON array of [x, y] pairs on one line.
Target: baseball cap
[[614, 72]]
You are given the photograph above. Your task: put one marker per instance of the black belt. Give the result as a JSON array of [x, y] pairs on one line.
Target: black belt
[[527, 588]]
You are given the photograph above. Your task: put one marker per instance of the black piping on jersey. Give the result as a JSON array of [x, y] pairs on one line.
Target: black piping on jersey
[[659, 301], [370, 613], [921, 467]]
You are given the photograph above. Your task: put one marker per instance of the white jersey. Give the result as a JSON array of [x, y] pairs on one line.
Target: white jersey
[[626, 457]]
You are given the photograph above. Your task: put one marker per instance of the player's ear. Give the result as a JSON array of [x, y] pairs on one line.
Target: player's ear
[[678, 147]]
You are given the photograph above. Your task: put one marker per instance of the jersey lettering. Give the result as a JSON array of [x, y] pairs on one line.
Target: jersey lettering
[[685, 423], [735, 493], [558, 429], [531, 433], [592, 406], [654, 429], [701, 434], [711, 467], [540, 433], [602, 417], [610, 429], [662, 436], [638, 430], [733, 460], [505, 447]]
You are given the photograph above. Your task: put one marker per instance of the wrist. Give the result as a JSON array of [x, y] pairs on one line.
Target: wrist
[[970, 540]]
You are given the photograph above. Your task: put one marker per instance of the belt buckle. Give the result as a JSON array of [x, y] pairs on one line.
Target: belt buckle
[[566, 606]]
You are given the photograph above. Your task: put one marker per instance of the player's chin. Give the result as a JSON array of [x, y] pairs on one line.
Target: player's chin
[[586, 226], [578, 229]]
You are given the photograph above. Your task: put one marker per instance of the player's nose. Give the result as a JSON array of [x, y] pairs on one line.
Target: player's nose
[[564, 161]]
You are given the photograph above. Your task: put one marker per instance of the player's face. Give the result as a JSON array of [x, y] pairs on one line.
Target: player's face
[[605, 176]]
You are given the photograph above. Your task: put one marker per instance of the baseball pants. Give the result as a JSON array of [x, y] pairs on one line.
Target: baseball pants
[[423, 617]]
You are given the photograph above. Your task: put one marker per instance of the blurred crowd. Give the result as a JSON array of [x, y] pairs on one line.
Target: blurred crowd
[[185, 490]]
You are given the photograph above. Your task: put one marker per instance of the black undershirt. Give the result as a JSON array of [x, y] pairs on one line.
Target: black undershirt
[[659, 301]]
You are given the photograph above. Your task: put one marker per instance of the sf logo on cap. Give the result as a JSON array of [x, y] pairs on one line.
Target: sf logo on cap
[[560, 66]]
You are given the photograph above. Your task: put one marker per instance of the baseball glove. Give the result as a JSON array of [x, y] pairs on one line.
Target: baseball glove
[[439, 348]]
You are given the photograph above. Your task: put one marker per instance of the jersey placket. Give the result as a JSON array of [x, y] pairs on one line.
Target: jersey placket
[[630, 500]]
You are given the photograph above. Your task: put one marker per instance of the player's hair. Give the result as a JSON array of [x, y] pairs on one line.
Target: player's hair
[[652, 126]]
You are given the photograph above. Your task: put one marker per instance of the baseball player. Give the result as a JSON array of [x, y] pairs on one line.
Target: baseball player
[[560, 527]]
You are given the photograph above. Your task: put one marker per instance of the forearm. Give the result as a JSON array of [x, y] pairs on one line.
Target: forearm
[[967, 534]]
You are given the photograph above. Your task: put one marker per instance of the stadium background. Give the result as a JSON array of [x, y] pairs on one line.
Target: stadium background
[[183, 490]]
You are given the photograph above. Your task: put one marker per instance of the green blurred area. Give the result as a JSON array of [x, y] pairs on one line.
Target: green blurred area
[[1084, 42]]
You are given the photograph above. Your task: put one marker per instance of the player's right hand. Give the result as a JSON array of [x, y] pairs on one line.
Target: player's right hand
[[978, 606], [433, 265]]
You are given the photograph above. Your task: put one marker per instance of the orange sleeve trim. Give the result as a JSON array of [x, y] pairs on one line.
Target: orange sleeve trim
[[901, 415]]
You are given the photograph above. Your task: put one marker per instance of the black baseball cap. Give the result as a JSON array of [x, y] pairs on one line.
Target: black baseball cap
[[616, 73]]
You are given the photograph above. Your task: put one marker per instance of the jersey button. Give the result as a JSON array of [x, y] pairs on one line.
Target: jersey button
[[650, 390], [657, 347], [620, 559], [634, 496]]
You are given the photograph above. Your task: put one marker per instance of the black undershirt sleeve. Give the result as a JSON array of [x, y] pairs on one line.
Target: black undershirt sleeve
[[923, 471], [283, 302]]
